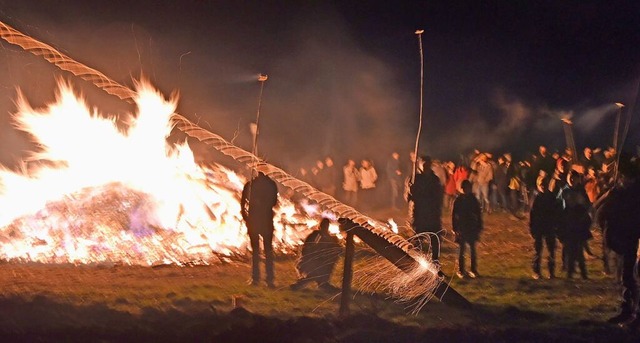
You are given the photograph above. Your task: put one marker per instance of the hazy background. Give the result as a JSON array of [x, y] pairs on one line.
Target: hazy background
[[344, 78]]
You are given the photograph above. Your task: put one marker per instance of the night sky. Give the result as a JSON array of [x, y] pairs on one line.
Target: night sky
[[344, 78]]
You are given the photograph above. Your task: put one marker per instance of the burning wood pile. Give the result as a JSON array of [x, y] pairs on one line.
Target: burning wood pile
[[169, 206]]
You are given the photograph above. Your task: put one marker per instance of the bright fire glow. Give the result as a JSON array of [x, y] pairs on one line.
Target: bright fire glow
[[97, 193]]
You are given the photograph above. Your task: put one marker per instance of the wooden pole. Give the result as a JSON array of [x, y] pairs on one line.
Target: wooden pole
[[616, 129], [345, 297], [415, 150]]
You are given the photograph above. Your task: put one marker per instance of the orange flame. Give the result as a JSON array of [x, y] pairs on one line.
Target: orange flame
[[102, 194]]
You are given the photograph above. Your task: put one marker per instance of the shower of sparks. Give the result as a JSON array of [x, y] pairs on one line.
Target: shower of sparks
[[412, 288]]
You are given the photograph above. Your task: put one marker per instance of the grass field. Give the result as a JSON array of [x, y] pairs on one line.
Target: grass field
[[168, 303]]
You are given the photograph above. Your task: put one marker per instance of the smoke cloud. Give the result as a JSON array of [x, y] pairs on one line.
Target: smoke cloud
[[328, 93]]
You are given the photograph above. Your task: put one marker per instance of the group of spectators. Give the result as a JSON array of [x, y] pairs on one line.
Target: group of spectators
[[354, 179], [557, 192], [564, 195], [499, 183]]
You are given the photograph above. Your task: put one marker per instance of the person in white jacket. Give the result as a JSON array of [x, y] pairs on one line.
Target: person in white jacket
[[351, 177], [368, 178]]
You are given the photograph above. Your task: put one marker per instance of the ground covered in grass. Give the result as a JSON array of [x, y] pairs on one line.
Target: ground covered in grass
[[116, 303]]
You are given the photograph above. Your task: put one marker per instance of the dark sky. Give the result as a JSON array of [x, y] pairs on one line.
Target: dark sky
[[344, 78]]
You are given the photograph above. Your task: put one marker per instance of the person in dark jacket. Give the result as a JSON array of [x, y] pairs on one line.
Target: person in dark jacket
[[543, 223], [259, 197], [319, 256], [427, 195], [575, 224], [619, 216], [466, 220]]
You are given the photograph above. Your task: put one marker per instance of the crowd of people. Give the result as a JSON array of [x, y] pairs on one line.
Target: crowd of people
[[499, 183], [563, 195]]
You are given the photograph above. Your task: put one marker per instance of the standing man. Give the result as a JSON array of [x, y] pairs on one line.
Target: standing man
[[259, 196], [484, 175], [331, 177], [575, 223], [543, 224], [619, 216], [466, 220], [427, 194]]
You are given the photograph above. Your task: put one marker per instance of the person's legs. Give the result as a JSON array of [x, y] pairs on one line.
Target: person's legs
[[395, 192], [630, 294], [461, 262], [435, 246], [350, 198], [572, 249], [537, 247], [254, 239], [551, 249], [502, 195], [474, 260], [493, 195], [581, 261], [267, 239], [484, 194], [513, 201]]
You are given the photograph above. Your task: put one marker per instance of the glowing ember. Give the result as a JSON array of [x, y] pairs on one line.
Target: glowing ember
[[97, 193]]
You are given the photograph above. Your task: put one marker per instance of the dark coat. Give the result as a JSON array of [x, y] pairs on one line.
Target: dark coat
[[427, 195], [320, 253], [619, 215], [545, 215], [575, 222], [259, 196], [466, 218]]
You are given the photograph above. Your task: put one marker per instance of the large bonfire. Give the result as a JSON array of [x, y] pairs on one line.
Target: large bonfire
[[95, 192]]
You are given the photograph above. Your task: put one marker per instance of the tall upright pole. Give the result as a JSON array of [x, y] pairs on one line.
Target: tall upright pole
[[415, 150], [255, 130], [616, 130], [262, 78], [568, 135]]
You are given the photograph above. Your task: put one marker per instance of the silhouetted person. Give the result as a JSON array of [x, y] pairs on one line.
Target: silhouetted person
[[619, 216], [319, 256], [575, 223], [426, 193], [259, 196], [466, 220], [543, 224]]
